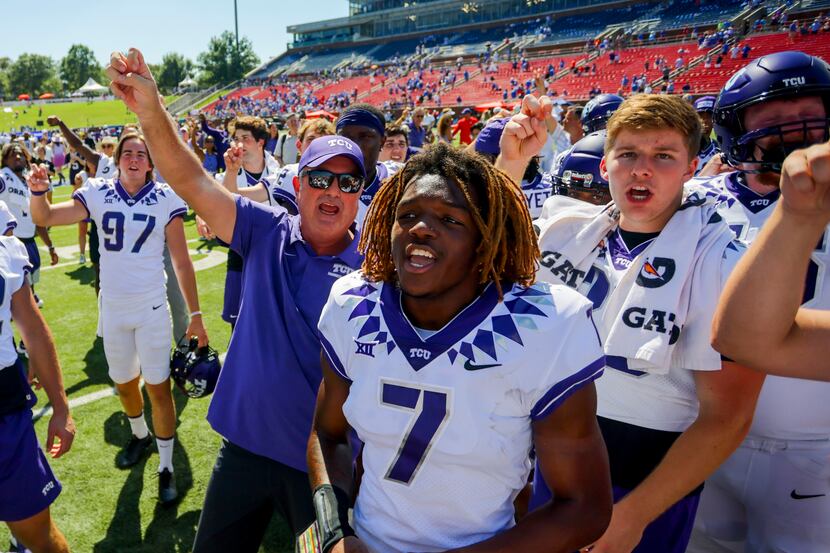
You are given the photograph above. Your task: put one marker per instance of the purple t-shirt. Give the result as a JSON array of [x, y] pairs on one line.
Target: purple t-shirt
[[264, 400]]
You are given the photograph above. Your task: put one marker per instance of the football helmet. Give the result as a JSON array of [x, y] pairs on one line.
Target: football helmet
[[578, 174], [195, 370], [775, 76], [596, 113]]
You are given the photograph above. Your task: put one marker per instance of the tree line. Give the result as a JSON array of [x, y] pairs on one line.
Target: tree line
[[35, 74]]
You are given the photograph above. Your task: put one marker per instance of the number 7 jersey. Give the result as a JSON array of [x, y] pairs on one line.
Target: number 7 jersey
[[446, 419], [131, 234]]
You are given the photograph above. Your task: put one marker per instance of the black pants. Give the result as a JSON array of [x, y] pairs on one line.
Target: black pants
[[244, 491]]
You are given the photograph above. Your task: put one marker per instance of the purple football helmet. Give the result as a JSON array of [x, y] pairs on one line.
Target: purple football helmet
[[776, 76]]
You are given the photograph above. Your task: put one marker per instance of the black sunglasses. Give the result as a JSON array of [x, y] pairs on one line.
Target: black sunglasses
[[322, 179]]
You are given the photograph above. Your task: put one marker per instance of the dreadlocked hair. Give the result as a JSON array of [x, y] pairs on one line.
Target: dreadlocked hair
[[508, 249]]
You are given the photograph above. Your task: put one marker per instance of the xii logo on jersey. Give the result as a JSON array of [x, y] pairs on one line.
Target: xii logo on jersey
[[656, 273], [365, 348]]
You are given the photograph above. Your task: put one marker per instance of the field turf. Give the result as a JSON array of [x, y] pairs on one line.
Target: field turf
[[103, 509], [74, 114]]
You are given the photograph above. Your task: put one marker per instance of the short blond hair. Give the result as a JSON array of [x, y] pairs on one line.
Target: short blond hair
[[319, 126], [656, 112]]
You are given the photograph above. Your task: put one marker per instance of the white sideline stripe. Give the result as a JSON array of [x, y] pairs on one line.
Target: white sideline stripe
[[213, 258], [46, 410]]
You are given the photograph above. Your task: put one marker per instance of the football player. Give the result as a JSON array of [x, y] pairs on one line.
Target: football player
[[27, 484], [14, 163], [669, 408], [438, 354], [772, 493], [598, 110], [578, 173], [366, 125], [135, 217], [704, 107], [264, 401], [280, 190]]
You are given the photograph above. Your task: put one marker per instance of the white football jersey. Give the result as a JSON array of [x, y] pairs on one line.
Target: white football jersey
[[788, 408], [244, 179], [14, 264], [131, 234], [658, 401], [385, 169], [446, 419], [15, 193], [107, 169], [281, 187], [536, 192], [7, 220]]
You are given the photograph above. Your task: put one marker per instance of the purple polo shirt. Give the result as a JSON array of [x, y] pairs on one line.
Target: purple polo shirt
[[264, 400]]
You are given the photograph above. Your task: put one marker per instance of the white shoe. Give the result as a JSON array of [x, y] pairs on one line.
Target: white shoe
[[82, 259]]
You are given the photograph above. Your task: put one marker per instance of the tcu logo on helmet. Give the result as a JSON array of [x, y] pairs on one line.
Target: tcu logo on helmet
[[794, 81], [420, 353], [654, 320], [339, 142]]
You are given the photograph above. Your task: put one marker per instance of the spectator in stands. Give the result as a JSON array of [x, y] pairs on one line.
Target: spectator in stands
[[286, 151], [463, 126], [445, 133], [273, 137]]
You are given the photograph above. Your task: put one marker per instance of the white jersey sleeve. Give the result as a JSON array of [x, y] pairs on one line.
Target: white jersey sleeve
[[15, 193], [14, 264], [7, 220]]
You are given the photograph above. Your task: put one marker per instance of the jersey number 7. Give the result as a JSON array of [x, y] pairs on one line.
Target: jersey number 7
[[112, 223], [431, 412]]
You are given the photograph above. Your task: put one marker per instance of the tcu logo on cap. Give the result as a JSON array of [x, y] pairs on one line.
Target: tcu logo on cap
[[419, 353], [794, 81], [339, 142]]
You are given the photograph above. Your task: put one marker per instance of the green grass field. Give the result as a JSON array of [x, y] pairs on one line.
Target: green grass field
[[103, 509], [74, 114]]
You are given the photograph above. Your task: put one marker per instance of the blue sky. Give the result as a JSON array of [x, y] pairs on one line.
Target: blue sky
[[156, 27]]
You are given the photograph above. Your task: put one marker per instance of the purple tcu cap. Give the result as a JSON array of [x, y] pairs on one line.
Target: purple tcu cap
[[487, 141], [705, 103], [326, 147]]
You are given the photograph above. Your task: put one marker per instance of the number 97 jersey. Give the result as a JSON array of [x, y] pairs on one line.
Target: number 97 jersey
[[446, 419], [131, 233]]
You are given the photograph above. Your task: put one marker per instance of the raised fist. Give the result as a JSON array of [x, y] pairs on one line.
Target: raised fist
[[805, 183]]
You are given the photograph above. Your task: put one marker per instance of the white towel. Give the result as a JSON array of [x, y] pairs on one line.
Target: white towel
[[643, 316]]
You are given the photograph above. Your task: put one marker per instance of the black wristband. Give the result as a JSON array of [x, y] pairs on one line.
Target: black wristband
[[36, 193], [331, 505]]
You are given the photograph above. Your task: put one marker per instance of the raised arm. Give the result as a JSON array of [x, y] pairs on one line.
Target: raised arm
[[45, 214], [44, 360], [524, 136], [90, 156], [134, 85], [233, 162], [760, 321]]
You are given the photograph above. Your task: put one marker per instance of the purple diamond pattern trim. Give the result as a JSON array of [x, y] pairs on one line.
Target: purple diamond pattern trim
[[466, 350], [361, 291], [390, 347], [452, 355], [363, 309], [504, 325], [521, 307], [372, 324], [484, 342]]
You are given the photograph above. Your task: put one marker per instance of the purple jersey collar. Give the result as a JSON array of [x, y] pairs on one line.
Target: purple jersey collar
[[748, 197], [407, 339], [132, 200], [621, 256]]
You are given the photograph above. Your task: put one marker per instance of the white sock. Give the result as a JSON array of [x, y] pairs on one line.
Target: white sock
[[139, 426], [165, 448]]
